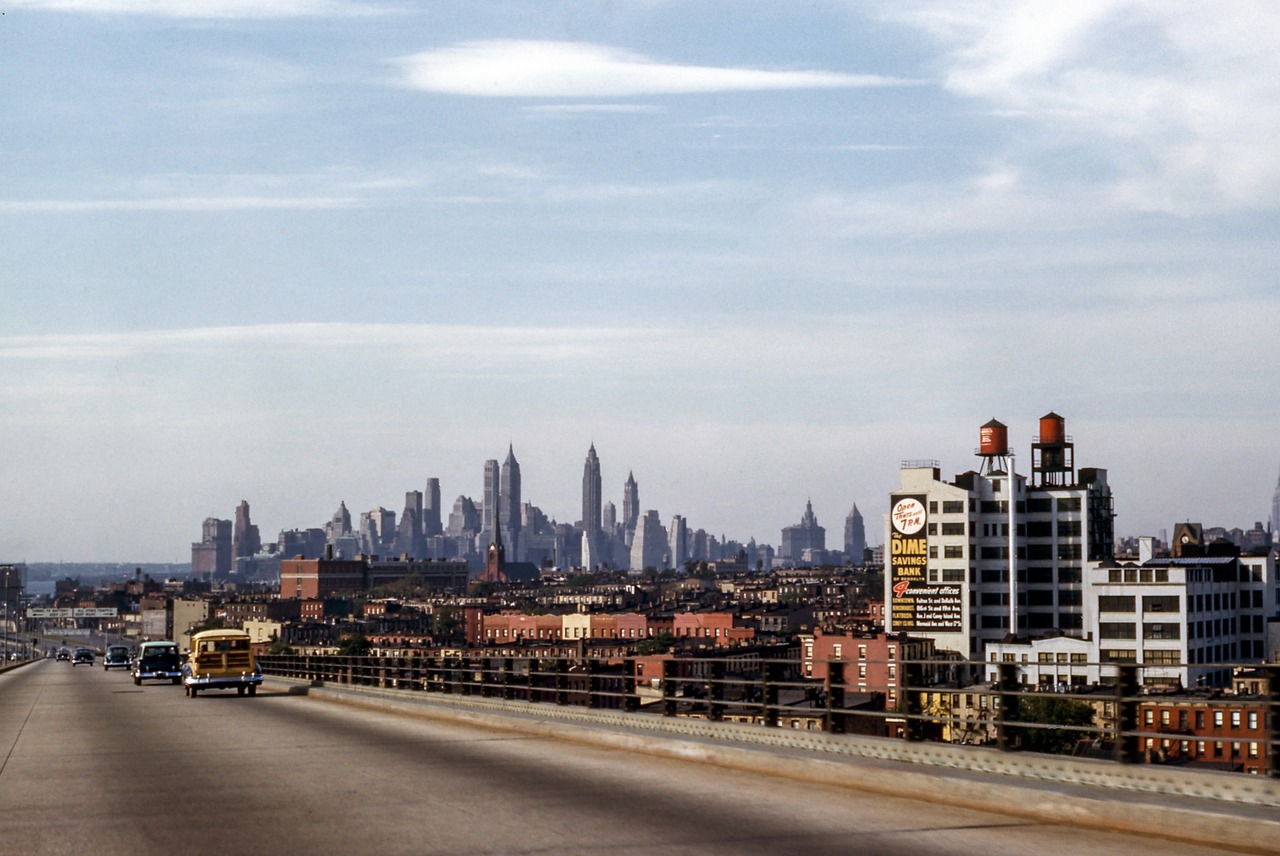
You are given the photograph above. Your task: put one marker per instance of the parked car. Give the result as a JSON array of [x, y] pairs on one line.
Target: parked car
[[82, 656], [221, 660], [157, 661], [117, 657]]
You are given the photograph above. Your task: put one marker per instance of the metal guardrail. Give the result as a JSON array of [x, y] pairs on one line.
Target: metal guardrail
[[1126, 722]]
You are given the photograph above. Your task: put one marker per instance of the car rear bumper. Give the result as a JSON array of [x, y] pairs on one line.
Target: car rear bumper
[[157, 674], [222, 681]]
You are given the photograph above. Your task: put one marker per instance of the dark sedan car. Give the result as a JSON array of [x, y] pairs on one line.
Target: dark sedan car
[[82, 656], [117, 657]]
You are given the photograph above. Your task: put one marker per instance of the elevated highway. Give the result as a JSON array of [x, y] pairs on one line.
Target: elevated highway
[[89, 763]]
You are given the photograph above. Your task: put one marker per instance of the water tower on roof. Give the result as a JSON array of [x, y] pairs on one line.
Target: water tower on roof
[[993, 447], [1053, 454]]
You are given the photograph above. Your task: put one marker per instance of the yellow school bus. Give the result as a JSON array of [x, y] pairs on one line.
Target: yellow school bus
[[221, 660]]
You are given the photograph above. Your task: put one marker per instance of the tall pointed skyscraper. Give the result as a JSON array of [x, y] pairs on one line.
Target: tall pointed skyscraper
[[630, 507], [855, 536], [592, 503], [509, 502]]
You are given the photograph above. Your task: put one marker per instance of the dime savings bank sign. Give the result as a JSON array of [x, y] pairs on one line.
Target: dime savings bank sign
[[920, 600]]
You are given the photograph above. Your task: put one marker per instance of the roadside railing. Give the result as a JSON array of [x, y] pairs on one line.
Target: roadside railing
[[949, 701]]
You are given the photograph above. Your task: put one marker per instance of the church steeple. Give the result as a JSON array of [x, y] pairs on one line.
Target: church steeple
[[495, 564]]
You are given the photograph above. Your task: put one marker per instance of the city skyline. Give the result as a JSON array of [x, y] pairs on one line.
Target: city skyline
[[309, 251]]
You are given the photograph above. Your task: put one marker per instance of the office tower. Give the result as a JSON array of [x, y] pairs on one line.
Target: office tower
[[431, 520], [992, 553], [1275, 515], [855, 536], [245, 542], [679, 547], [649, 546], [409, 530], [489, 500], [339, 525], [609, 518], [591, 493], [464, 520], [211, 556], [630, 508], [509, 503], [805, 535], [377, 530]]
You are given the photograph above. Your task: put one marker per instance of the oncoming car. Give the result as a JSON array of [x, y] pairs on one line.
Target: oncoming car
[[221, 660], [157, 661]]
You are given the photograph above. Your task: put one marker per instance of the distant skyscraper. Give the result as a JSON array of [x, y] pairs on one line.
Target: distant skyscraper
[[509, 502], [377, 530], [211, 555], [409, 530], [464, 520], [609, 518], [592, 509], [630, 507], [492, 486], [855, 536], [1275, 515], [245, 540], [431, 521], [679, 535], [805, 535], [649, 546], [339, 525]]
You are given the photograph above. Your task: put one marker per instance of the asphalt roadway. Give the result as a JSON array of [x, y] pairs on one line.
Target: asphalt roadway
[[91, 764]]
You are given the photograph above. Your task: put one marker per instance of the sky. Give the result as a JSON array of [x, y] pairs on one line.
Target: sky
[[303, 252]]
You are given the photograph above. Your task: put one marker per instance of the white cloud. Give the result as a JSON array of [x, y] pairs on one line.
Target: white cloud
[[176, 203], [1181, 98], [536, 69], [202, 9], [578, 109]]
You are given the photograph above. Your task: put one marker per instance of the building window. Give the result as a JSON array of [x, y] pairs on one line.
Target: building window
[[953, 552], [1118, 655], [953, 507], [1116, 630], [1157, 657]]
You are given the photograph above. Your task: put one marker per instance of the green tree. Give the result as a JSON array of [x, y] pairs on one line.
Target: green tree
[[355, 645], [447, 624], [660, 644], [1052, 711]]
